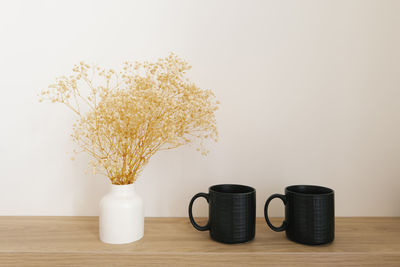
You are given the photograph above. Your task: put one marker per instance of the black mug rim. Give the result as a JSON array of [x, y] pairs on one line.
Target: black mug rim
[[291, 189], [246, 190]]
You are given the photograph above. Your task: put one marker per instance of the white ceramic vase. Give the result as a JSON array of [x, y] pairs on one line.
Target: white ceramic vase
[[121, 217]]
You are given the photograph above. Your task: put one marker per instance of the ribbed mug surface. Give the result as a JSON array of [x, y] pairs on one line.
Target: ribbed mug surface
[[232, 213], [309, 214]]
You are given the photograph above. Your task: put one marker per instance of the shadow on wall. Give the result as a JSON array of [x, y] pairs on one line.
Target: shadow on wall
[[89, 191]]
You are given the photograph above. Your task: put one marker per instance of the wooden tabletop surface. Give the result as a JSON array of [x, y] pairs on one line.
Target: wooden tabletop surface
[[74, 241]]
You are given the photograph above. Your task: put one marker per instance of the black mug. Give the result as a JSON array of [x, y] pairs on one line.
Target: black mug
[[232, 213], [309, 214]]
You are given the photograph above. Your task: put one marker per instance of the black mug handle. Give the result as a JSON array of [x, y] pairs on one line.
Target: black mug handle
[[198, 227], [284, 224]]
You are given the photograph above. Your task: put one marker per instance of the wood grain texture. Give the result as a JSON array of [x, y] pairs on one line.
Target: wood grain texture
[[73, 241]]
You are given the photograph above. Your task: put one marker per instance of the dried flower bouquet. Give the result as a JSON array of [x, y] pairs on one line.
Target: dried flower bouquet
[[129, 115]]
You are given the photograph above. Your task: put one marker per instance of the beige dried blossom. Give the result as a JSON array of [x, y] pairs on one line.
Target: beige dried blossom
[[129, 115]]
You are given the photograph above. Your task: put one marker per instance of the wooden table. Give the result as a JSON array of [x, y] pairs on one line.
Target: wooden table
[[73, 241]]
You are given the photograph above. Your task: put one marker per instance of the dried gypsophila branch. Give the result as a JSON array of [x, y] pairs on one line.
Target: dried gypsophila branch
[[132, 114]]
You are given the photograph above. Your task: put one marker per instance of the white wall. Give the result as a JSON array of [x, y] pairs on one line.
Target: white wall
[[310, 94]]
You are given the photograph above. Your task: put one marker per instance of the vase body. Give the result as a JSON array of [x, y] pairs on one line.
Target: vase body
[[121, 217]]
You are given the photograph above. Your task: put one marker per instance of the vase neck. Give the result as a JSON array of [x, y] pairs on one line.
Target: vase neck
[[123, 189]]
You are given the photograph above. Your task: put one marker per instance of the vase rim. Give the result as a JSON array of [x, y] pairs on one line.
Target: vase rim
[[117, 185], [123, 188]]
